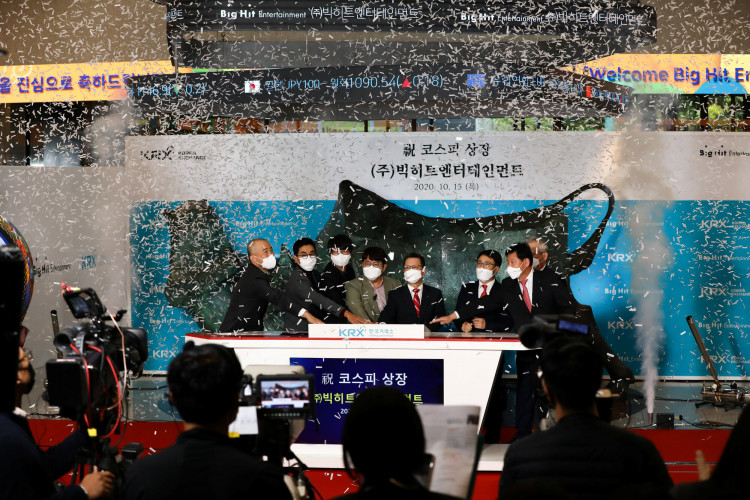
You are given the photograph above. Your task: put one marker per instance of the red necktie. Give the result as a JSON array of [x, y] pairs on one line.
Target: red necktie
[[484, 291], [417, 303], [526, 298]]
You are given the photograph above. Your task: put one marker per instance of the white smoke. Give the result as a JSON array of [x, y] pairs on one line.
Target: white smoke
[[650, 247]]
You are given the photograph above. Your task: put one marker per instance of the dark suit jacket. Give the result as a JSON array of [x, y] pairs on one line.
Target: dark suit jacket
[[27, 473], [203, 464], [332, 284], [496, 322], [550, 295], [250, 299], [400, 309], [302, 289], [588, 459]]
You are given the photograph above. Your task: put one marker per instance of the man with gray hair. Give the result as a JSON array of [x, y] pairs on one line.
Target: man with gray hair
[[253, 292], [539, 249]]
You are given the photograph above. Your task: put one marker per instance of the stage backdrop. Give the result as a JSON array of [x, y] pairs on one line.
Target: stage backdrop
[[675, 245]]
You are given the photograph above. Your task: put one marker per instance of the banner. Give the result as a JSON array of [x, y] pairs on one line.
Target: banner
[[673, 73], [284, 187], [338, 381]]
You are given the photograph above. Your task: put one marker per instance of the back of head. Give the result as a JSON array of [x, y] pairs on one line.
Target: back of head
[[572, 372], [383, 436], [204, 383]]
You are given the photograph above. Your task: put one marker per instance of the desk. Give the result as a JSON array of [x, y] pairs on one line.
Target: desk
[[470, 363]]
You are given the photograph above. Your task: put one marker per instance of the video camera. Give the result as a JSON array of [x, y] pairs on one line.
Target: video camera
[[283, 402], [94, 358], [545, 327]]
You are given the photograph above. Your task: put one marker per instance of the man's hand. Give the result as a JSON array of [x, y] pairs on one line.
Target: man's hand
[[704, 468], [311, 319], [98, 484], [466, 327], [443, 320], [354, 319], [479, 323]]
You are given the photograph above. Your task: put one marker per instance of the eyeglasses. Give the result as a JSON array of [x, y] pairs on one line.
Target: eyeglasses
[[373, 263], [418, 268], [485, 264]]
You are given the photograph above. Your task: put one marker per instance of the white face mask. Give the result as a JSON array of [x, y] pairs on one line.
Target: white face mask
[[372, 273], [514, 272], [269, 262], [340, 259], [413, 275], [484, 274], [535, 263], [308, 263]]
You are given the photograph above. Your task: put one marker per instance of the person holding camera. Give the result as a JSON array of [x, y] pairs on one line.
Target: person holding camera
[[28, 472], [204, 384]]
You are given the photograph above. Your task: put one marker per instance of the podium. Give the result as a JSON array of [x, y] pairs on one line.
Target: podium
[[468, 363]]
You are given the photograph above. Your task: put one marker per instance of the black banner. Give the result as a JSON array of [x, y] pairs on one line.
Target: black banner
[[540, 17], [358, 93]]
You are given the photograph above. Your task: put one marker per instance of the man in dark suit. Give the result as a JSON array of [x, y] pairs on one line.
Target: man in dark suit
[[337, 272], [302, 287], [525, 293], [253, 292], [488, 264], [204, 384], [414, 302]]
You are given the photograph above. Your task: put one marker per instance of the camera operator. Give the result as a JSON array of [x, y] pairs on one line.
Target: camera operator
[[27, 471], [204, 384]]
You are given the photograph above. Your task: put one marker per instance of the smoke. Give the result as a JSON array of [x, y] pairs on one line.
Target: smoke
[[650, 247]]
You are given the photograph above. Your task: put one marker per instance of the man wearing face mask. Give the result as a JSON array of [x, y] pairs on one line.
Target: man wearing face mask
[[337, 272], [525, 293], [27, 471], [414, 302], [539, 251], [488, 264], [253, 292], [368, 296], [303, 288]]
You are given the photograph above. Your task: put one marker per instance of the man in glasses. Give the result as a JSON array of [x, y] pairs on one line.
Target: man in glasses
[[367, 296], [414, 302], [488, 264]]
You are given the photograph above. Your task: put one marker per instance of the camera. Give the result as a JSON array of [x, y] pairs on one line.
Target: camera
[[88, 380], [545, 327]]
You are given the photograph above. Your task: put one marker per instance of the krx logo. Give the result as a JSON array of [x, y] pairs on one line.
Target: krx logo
[[621, 325], [620, 257], [713, 291], [158, 154], [352, 332], [713, 224]]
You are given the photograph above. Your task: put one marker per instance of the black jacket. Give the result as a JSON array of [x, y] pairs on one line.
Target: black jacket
[[400, 309], [203, 465], [331, 284], [550, 295], [588, 458], [302, 288], [27, 473], [469, 294], [250, 299]]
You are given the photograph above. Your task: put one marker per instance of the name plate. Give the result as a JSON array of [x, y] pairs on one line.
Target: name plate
[[366, 331]]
